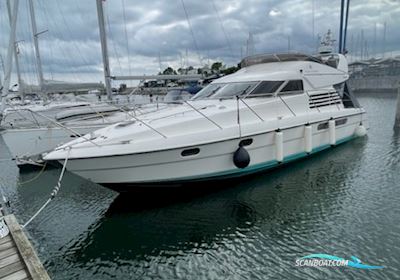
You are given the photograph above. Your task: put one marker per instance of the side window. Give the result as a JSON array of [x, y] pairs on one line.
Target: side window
[[266, 88], [293, 86], [322, 126]]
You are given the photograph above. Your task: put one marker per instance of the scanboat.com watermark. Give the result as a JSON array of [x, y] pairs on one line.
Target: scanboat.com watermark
[[324, 260]]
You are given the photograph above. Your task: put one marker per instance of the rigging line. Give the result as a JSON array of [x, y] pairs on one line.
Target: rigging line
[[126, 38], [67, 27], [22, 66], [198, 111], [62, 126], [191, 31], [251, 109], [223, 28], [36, 43], [85, 62], [112, 39], [61, 47], [29, 39], [48, 60], [84, 22]]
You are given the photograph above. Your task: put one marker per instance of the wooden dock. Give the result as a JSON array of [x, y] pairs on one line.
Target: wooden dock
[[18, 259]]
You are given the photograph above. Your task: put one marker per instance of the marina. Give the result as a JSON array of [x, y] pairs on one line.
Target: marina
[[326, 203], [203, 141]]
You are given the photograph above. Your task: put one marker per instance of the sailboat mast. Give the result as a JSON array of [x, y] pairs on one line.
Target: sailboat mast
[[104, 51], [20, 87], [36, 44], [8, 64], [341, 27], [345, 27]]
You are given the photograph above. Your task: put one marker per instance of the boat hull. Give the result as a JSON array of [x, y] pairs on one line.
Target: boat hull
[[223, 179], [25, 145], [214, 160]]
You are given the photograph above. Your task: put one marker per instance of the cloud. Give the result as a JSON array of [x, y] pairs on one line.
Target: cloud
[[158, 32], [274, 13]]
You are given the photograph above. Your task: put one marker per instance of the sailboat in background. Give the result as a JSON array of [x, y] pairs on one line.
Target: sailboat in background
[[31, 129]]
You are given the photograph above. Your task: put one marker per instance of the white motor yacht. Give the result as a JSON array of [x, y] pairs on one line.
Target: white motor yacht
[[275, 109]]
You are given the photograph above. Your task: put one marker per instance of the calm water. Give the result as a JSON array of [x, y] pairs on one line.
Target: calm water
[[343, 202]]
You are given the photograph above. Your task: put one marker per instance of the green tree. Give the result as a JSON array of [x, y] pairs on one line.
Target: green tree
[[169, 71], [216, 66], [230, 70]]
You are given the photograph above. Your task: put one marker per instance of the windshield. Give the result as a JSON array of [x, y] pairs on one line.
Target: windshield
[[208, 91], [221, 91]]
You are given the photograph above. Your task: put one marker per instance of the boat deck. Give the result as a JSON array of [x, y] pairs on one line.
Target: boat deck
[[18, 260]]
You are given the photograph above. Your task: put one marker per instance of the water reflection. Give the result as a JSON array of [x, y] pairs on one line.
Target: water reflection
[[141, 226]]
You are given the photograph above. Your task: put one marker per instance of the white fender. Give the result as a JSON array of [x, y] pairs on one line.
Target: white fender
[[308, 138], [332, 132], [279, 145], [360, 131]]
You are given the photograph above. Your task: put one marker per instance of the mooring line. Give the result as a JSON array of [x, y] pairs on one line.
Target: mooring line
[[53, 193], [35, 177]]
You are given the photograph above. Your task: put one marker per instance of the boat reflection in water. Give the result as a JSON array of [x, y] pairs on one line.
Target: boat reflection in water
[[142, 231]]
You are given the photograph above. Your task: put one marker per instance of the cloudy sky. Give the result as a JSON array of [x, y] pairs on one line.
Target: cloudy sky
[[142, 34]]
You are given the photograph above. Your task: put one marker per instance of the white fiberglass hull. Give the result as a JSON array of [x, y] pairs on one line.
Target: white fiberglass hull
[[214, 160], [27, 144]]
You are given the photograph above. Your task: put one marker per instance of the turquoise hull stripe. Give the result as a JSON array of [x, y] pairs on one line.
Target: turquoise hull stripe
[[257, 167]]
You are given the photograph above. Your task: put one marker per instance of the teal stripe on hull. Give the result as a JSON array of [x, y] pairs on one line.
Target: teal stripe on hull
[[255, 168]]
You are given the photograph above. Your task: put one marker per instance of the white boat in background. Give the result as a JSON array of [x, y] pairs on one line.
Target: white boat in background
[[43, 131], [24, 115], [274, 110]]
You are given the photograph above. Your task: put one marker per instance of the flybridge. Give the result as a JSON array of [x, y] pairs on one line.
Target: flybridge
[[269, 58]]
